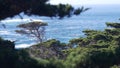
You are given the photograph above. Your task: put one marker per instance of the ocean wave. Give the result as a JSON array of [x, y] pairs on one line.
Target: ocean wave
[[19, 20], [18, 46], [4, 32], [71, 27]]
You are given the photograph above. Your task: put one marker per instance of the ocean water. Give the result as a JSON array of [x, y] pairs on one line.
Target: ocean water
[[65, 29]]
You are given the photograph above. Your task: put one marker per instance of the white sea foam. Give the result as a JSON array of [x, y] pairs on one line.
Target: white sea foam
[[73, 27], [4, 32], [65, 37], [19, 20], [23, 45]]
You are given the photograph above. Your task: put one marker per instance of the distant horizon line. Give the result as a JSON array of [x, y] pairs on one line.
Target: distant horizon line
[[96, 4], [85, 4]]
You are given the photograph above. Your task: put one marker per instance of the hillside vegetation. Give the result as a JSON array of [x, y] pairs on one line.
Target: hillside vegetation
[[99, 49]]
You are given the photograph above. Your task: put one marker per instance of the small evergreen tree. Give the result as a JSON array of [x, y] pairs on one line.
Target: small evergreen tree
[[34, 29]]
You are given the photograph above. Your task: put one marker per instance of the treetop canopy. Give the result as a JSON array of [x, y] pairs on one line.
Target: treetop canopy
[[32, 24], [10, 8]]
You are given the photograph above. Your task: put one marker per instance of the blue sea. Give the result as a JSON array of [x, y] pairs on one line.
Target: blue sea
[[63, 29]]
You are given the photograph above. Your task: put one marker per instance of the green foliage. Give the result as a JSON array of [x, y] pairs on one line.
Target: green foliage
[[32, 25], [101, 49], [104, 37], [52, 42], [12, 58], [114, 25], [49, 49], [10, 8], [76, 41], [115, 66], [113, 31], [80, 10], [7, 54], [24, 60], [90, 32], [64, 10], [92, 58]]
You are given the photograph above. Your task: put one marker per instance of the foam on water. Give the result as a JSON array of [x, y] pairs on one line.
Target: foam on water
[[19, 20], [24, 45], [2, 32]]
